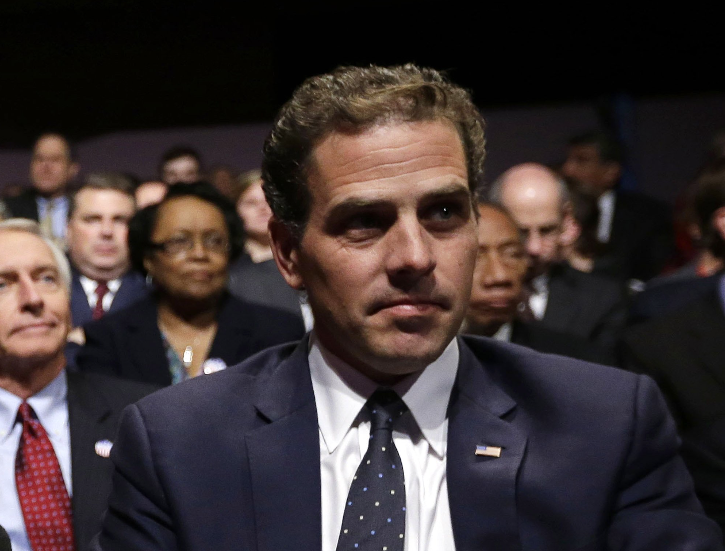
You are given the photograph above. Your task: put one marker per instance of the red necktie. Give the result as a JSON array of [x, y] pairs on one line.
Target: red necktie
[[101, 291], [43, 497]]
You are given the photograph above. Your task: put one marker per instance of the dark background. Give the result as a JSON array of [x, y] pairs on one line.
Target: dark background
[[88, 67]]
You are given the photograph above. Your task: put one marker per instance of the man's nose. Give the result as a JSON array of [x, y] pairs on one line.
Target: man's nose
[[107, 227], [495, 272], [411, 249], [534, 244], [30, 298]]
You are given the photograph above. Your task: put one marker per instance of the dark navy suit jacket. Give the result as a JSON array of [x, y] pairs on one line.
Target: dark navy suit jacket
[[232, 460], [94, 407], [133, 287]]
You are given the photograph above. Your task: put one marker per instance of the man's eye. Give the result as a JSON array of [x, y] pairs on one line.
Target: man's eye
[[363, 221], [445, 212], [48, 279]]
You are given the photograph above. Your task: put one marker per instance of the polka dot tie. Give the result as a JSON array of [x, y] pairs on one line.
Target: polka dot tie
[[43, 497], [375, 509]]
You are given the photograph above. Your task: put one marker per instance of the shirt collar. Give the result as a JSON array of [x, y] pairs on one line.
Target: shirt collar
[[48, 404], [89, 285], [341, 392]]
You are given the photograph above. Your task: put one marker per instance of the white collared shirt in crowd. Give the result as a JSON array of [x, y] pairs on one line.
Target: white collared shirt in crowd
[[89, 287]]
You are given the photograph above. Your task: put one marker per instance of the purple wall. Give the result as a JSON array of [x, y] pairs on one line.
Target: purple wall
[[672, 135]]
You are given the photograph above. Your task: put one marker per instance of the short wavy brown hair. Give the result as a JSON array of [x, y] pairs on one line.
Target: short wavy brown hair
[[352, 100]]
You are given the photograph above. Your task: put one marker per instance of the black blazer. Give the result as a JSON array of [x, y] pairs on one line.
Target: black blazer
[[128, 343], [23, 205], [95, 403], [543, 339], [683, 352], [641, 240], [585, 305]]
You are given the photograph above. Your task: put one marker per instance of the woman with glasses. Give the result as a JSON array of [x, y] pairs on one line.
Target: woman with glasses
[[190, 325]]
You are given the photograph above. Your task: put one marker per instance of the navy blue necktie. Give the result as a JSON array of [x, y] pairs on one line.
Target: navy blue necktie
[[375, 510]]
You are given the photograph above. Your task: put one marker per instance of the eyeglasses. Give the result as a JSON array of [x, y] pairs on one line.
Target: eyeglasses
[[177, 246]]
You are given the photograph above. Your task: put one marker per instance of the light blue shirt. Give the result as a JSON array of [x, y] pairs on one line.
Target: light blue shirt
[[51, 407], [60, 213]]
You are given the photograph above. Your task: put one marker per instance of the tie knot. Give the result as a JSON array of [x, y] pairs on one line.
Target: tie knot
[[385, 407], [102, 288], [26, 413]]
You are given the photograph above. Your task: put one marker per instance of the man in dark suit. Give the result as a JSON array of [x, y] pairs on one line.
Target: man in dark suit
[[682, 350], [497, 296], [52, 167], [97, 245], [472, 444], [78, 414], [637, 228], [561, 298]]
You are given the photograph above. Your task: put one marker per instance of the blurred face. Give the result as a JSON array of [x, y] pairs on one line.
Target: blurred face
[[33, 300], [388, 253], [184, 170], [254, 211], [585, 167], [500, 269], [51, 167], [97, 233], [192, 265], [533, 199], [149, 193]]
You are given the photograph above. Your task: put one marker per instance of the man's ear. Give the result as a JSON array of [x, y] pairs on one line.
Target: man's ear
[[718, 222], [570, 228], [73, 170], [285, 248]]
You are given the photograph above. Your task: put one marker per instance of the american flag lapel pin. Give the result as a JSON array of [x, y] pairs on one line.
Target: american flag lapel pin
[[488, 451]]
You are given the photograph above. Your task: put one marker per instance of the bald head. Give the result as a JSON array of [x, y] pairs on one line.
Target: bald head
[[538, 201]]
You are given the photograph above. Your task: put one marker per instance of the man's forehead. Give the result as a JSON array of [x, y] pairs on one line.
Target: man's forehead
[[585, 151], [94, 198], [495, 228], [52, 145], [35, 252]]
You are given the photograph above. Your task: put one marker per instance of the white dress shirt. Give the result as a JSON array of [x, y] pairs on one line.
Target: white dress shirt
[[420, 437], [539, 295], [606, 203], [51, 407], [89, 288]]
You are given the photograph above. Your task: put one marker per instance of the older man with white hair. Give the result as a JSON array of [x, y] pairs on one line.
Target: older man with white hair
[[55, 427]]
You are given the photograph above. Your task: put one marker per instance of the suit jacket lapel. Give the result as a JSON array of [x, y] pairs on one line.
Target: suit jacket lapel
[[284, 459], [235, 333], [133, 288], [146, 349], [80, 310], [482, 490], [87, 414], [561, 311]]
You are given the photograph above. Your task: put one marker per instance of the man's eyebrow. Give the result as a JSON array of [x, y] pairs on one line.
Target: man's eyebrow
[[450, 191]]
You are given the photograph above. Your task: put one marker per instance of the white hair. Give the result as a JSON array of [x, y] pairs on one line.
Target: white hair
[[31, 226]]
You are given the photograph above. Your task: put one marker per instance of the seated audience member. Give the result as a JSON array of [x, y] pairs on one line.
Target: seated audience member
[[254, 277], [383, 429], [709, 212], [224, 178], [497, 293], [682, 351], [97, 234], [637, 228], [52, 167], [180, 165], [189, 325], [149, 193], [56, 427], [561, 298]]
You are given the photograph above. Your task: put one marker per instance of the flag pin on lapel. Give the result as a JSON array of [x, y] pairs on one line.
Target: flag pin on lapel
[[103, 448], [488, 451]]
